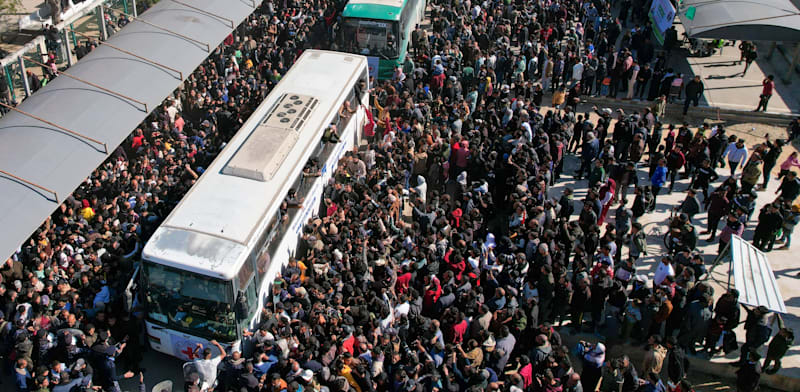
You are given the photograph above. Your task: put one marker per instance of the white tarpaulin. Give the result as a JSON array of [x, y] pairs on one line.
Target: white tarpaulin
[[753, 277], [749, 20]]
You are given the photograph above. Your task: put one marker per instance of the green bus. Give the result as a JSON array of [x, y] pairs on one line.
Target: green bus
[[380, 30]]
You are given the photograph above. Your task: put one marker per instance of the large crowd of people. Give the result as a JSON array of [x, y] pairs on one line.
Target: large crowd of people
[[441, 259]]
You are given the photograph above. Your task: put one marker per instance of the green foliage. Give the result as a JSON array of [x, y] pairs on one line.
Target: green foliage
[[9, 6]]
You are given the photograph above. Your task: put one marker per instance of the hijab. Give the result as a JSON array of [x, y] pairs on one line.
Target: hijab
[[597, 355]]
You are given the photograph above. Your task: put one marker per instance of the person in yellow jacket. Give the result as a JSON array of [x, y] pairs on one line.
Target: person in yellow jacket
[[751, 173], [384, 120]]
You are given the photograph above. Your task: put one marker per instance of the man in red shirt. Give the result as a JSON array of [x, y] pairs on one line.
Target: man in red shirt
[[766, 92]]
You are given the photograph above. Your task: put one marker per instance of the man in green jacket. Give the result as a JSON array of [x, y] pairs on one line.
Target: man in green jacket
[[597, 174]]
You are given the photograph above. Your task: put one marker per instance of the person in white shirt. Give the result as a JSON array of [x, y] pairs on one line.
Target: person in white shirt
[[171, 110], [663, 270], [736, 154], [577, 72], [207, 366], [402, 309]]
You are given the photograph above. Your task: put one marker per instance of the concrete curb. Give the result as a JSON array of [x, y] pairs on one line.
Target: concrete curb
[[711, 367], [699, 113]]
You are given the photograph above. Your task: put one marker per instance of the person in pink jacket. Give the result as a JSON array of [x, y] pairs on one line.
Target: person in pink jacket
[[788, 163]]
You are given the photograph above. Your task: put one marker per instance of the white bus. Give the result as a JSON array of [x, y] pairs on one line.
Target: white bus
[[208, 267]]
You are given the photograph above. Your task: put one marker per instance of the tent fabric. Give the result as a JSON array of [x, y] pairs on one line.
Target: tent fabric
[[60, 161], [748, 20], [753, 276]]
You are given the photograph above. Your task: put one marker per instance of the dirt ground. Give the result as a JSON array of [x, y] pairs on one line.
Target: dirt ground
[[752, 133]]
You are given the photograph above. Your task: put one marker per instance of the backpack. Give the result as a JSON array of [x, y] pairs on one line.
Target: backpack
[[729, 343], [638, 209]]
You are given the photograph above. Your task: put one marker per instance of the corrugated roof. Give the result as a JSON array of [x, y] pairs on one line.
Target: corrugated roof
[[753, 276], [60, 161]]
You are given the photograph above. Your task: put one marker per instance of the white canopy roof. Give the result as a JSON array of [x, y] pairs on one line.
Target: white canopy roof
[[749, 20], [45, 162]]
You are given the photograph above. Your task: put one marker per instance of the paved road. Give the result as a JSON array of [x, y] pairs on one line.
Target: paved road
[[726, 87]]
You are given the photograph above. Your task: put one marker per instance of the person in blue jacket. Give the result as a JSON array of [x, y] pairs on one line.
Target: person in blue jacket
[[658, 180], [589, 151]]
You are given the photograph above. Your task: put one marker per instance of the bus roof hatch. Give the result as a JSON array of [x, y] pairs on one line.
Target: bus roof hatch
[[266, 147]]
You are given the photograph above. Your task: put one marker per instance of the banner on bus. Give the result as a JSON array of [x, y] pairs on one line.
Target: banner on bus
[[372, 64], [661, 15]]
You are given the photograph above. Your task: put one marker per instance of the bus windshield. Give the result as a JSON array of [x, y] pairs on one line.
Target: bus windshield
[[370, 37], [189, 302]]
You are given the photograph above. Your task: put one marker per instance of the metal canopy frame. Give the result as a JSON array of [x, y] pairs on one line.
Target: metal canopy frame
[[90, 83], [105, 43], [33, 184], [69, 131], [138, 19]]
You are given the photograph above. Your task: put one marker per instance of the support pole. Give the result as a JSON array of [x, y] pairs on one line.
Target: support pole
[[42, 47], [74, 39], [67, 50], [135, 12], [772, 47], [180, 74], [205, 12], [73, 133], [730, 265], [91, 84], [25, 82], [33, 184], [10, 83], [788, 77], [101, 13], [208, 47]]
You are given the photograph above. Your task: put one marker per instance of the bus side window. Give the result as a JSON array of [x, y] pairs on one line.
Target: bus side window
[[363, 87], [247, 297], [262, 253]]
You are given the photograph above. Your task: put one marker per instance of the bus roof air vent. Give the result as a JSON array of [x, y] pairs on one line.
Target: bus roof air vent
[[260, 156], [291, 112]]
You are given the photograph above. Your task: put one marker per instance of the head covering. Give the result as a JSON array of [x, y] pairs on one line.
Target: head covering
[[597, 355], [490, 241], [462, 178], [489, 343], [457, 213]]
